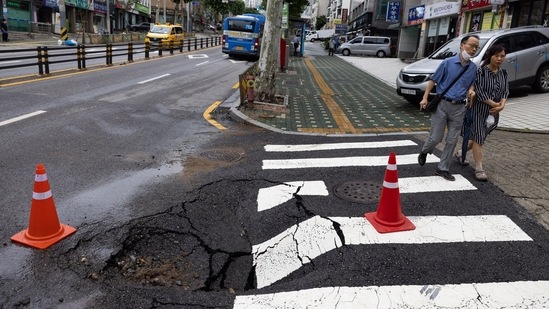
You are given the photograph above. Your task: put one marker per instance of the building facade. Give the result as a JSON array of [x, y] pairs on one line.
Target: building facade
[[427, 24], [92, 14]]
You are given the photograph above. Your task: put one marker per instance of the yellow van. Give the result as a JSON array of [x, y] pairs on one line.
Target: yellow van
[[166, 33]]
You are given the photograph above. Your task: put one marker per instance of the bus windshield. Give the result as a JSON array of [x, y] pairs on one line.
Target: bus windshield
[[241, 25]]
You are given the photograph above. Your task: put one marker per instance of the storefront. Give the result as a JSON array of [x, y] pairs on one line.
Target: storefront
[[410, 33], [441, 25], [17, 14], [482, 15], [528, 12]]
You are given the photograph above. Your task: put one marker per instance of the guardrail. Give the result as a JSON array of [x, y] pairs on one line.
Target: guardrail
[[47, 56]]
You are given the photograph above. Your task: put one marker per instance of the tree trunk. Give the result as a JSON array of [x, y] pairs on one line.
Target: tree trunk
[[269, 56]]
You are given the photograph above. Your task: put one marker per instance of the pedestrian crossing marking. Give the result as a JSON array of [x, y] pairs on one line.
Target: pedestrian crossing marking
[[516, 294], [273, 196], [268, 198], [338, 146], [342, 162], [281, 255]]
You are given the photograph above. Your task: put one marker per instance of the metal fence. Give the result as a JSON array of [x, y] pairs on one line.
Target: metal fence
[[46, 57]]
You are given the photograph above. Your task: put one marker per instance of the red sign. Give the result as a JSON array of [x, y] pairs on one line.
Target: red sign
[[474, 4]]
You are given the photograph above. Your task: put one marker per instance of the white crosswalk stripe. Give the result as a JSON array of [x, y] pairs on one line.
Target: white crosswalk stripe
[[278, 257], [519, 294], [298, 245]]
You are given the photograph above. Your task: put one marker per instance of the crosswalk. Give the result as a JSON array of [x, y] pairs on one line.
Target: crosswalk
[[300, 244]]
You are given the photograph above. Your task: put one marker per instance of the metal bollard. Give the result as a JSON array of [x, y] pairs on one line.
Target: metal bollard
[[40, 64]]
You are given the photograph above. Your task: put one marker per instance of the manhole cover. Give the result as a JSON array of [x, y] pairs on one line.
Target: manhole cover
[[358, 191]]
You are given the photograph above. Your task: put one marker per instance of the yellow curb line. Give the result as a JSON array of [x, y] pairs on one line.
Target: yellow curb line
[[209, 118], [338, 114]]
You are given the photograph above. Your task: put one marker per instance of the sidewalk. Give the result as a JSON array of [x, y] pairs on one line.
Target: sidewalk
[[356, 95]]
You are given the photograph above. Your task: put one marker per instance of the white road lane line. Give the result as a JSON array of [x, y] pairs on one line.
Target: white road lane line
[[277, 257], [342, 161], [517, 294], [337, 146], [201, 63], [274, 196], [154, 78], [270, 197], [15, 119]]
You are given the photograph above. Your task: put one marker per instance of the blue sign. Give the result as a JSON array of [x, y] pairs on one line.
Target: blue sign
[[393, 12], [415, 15]]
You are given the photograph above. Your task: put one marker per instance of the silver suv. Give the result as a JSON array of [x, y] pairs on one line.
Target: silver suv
[[367, 45], [526, 62]]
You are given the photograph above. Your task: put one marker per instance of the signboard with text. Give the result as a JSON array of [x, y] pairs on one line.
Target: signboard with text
[[415, 15], [393, 12]]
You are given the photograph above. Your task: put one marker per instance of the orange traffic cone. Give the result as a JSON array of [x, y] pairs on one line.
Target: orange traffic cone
[[389, 217], [44, 227]]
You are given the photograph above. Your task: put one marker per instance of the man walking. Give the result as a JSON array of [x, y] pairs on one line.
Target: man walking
[[451, 110], [332, 45], [296, 44], [4, 31]]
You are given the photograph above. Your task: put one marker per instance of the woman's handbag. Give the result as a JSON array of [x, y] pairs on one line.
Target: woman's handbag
[[433, 104]]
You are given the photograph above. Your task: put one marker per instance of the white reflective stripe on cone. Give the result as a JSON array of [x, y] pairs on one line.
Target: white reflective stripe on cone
[[390, 185], [41, 196], [41, 177], [392, 167]]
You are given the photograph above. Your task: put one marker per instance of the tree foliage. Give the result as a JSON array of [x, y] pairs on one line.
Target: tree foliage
[[218, 7], [296, 7], [320, 22]]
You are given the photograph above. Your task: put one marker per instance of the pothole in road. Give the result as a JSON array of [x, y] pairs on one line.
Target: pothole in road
[[212, 160]]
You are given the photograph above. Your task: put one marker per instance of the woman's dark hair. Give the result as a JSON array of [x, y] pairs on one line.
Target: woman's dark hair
[[492, 51]]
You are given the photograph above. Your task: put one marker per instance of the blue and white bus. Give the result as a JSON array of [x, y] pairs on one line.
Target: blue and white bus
[[242, 35]]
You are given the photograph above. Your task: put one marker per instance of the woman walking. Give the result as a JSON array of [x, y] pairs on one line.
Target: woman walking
[[492, 90]]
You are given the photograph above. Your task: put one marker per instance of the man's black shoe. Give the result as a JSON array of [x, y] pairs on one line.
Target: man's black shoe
[[445, 174], [421, 158]]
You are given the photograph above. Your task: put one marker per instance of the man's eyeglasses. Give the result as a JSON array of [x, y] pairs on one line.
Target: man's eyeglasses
[[473, 46]]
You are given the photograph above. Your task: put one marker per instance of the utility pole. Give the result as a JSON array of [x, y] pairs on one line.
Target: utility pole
[[108, 8], [63, 20], [165, 20]]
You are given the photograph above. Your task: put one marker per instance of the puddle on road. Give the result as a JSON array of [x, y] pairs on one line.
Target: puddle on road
[[107, 201], [101, 204]]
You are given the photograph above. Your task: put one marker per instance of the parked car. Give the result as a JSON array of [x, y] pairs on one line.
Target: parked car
[[141, 27], [526, 61], [367, 45]]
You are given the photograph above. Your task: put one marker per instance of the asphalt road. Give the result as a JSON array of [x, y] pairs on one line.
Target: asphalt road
[[172, 213]]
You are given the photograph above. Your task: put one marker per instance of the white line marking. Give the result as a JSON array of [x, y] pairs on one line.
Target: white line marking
[[342, 161], [271, 197], [5, 122], [277, 257], [198, 56], [333, 146], [434, 184], [13, 61], [268, 198], [518, 294], [201, 63], [236, 61], [154, 78]]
